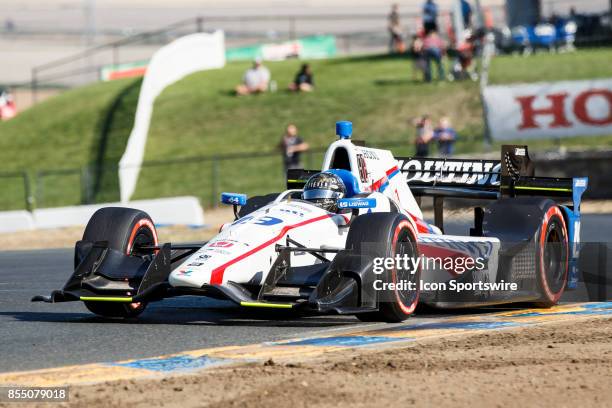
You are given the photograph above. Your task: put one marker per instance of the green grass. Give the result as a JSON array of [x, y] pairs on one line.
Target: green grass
[[199, 116], [87, 126]]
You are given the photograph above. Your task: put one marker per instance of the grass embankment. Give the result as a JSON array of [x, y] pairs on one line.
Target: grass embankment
[[199, 116]]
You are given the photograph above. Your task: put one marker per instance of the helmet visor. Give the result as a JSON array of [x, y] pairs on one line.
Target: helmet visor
[[317, 194]]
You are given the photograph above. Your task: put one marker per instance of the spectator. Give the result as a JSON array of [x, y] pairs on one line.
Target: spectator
[[304, 80], [292, 147], [433, 48], [396, 41], [418, 59], [466, 12], [255, 80], [430, 16], [446, 137], [424, 135], [8, 109]]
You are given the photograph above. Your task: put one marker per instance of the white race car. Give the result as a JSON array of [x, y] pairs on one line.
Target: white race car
[[350, 239]]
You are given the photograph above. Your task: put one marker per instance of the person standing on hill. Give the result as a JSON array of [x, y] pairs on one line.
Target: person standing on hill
[[430, 16], [446, 137], [396, 40], [424, 135], [433, 48], [466, 12], [292, 146]]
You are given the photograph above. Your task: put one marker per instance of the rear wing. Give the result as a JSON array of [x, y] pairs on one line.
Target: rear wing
[[513, 175]]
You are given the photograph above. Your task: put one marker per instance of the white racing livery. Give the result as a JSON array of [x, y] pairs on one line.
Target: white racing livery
[[371, 254]]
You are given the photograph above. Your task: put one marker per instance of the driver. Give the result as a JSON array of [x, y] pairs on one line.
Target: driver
[[324, 190]]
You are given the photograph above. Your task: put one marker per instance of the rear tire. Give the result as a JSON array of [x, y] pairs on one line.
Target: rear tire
[[387, 235], [552, 263], [125, 230]]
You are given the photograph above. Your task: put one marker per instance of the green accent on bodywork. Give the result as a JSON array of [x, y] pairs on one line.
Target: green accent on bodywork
[[263, 304], [105, 299], [569, 190]]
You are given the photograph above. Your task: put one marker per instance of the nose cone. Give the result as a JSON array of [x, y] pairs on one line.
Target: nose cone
[[187, 276]]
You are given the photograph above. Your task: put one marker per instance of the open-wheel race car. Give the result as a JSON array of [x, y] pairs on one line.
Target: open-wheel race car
[[317, 247]]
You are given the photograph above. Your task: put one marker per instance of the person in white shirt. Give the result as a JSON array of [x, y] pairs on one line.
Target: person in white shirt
[[255, 80]]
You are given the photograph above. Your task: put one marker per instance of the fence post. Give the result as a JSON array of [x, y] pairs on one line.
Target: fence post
[[214, 202], [38, 188], [34, 85], [27, 189], [86, 185]]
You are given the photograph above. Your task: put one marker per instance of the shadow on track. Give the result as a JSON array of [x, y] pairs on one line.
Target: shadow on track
[[192, 315]]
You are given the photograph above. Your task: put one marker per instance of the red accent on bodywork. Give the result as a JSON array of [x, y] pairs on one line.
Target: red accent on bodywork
[[216, 277], [420, 224]]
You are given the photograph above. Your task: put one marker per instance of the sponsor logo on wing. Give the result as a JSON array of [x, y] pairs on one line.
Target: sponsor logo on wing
[[475, 249], [476, 172]]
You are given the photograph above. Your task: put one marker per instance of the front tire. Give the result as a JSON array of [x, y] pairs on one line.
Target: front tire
[[385, 235], [125, 230]]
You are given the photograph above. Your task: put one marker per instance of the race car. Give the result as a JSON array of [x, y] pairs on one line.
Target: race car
[[334, 241]]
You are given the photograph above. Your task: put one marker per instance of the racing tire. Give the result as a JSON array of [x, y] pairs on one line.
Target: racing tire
[[387, 235], [125, 229], [552, 261]]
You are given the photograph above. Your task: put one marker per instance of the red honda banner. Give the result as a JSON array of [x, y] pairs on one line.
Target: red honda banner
[[549, 109]]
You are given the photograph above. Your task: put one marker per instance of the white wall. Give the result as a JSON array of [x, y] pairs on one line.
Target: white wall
[[189, 54]]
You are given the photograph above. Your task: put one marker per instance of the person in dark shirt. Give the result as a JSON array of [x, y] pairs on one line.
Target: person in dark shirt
[[304, 80], [430, 16], [446, 137], [292, 147], [466, 11], [424, 135]]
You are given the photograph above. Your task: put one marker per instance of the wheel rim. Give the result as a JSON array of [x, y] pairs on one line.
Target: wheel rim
[[553, 259]]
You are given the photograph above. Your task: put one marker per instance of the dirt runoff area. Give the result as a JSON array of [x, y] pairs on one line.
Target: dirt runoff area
[[555, 364]]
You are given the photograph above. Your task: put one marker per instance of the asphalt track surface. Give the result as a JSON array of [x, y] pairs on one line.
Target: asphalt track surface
[[40, 335]]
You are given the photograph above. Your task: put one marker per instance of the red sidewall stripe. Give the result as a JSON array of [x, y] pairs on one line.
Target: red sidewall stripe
[[552, 297], [406, 309], [142, 223]]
